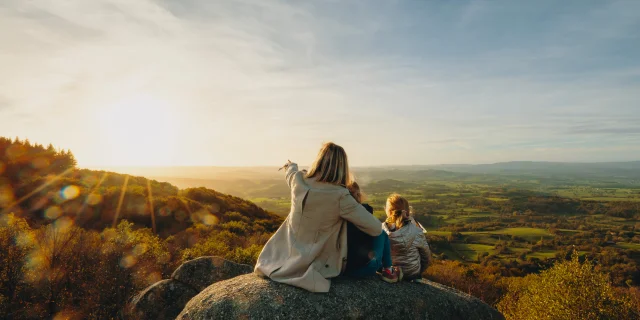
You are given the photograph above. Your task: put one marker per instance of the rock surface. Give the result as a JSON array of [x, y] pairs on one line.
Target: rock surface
[[166, 299], [201, 272], [162, 300], [251, 297]]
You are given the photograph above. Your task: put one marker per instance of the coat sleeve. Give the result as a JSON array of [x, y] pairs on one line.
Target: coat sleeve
[[425, 253], [292, 174], [355, 213]]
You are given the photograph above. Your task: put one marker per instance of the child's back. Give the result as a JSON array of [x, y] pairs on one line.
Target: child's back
[[409, 249]]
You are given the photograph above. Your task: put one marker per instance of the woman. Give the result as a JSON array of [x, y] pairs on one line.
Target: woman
[[409, 247], [310, 247]]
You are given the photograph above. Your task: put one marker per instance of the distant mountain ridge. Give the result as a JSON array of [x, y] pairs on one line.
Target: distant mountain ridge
[[631, 168], [521, 164], [267, 172]]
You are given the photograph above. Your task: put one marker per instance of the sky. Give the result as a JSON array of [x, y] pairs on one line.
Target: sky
[[258, 82]]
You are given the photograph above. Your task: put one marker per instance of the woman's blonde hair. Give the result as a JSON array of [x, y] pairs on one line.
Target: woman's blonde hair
[[397, 209], [331, 166]]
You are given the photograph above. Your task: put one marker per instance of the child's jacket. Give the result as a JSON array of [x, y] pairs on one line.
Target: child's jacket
[[409, 249]]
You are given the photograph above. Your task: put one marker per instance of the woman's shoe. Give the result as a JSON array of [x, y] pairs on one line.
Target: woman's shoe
[[391, 275]]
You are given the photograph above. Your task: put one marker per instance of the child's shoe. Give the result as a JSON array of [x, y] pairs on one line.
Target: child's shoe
[[391, 275]]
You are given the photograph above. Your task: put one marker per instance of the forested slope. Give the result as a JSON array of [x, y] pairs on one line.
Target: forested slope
[[79, 243]]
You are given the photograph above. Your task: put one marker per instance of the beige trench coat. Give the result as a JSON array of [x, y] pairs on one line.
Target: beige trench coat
[[311, 245]]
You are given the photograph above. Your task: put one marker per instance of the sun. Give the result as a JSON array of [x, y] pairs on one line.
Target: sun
[[140, 130]]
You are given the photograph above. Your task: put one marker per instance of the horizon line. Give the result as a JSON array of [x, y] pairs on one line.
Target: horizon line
[[93, 167]]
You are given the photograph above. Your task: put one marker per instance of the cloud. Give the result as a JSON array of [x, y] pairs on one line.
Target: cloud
[[449, 82], [604, 130], [4, 103]]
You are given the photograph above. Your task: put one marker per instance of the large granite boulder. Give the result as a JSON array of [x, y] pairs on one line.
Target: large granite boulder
[[201, 272], [251, 297], [163, 301], [166, 299]]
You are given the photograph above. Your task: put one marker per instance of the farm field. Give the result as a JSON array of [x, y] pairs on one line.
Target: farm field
[[502, 220], [519, 220], [626, 245]]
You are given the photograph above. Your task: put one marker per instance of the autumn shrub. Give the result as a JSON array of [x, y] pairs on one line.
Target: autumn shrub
[[568, 290], [238, 227], [16, 241], [247, 255], [236, 216], [482, 282]]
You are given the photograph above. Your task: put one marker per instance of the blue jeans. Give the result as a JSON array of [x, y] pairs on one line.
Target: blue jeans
[[382, 257]]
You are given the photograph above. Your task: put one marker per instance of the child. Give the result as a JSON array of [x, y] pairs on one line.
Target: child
[[409, 247], [367, 254]]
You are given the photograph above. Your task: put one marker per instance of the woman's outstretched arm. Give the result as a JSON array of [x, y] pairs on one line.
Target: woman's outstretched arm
[[291, 169], [355, 213]]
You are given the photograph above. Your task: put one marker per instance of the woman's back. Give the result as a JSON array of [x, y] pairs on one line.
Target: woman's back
[[310, 246]]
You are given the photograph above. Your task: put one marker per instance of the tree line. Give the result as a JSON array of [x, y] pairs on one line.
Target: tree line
[[79, 243]]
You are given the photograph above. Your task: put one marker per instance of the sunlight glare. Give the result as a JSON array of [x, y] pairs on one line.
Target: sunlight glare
[[138, 131]]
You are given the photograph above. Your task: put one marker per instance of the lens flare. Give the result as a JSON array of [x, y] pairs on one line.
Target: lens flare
[[40, 188], [153, 214], [128, 261], [140, 249], [120, 200], [94, 199], [40, 163], [205, 217], [154, 277], [6, 195], [15, 151], [53, 212], [210, 220], [70, 192], [63, 224]]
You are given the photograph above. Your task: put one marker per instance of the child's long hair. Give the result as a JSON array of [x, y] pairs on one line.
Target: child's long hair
[[331, 166], [397, 210], [354, 189]]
